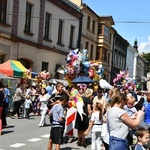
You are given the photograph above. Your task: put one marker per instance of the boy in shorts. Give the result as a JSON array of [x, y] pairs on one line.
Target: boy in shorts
[[58, 122]]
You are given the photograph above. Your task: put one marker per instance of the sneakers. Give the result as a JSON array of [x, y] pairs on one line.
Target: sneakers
[[40, 125], [12, 117]]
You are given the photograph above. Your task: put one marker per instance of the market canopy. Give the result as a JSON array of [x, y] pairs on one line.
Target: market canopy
[[3, 76], [104, 84], [12, 68]]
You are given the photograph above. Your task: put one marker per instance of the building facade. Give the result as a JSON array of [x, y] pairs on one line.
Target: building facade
[[105, 44], [141, 73], [131, 63], [89, 31], [119, 55], [38, 33]]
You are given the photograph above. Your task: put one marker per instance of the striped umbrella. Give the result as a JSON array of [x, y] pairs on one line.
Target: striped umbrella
[[12, 68]]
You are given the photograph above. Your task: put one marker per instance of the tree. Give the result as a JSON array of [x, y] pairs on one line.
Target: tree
[[147, 57]]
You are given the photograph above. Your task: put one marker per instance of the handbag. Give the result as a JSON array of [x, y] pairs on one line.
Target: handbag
[[116, 143]]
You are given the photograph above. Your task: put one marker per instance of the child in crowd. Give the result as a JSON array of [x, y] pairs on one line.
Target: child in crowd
[[58, 122], [28, 103], [131, 110], [142, 137], [129, 107], [96, 125]]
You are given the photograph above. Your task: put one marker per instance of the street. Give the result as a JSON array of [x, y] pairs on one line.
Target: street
[[24, 134]]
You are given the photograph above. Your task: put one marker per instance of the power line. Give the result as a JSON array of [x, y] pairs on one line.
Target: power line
[[70, 19], [138, 22]]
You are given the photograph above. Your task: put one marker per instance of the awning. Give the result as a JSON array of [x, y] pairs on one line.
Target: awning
[[12, 68], [104, 84], [3, 76]]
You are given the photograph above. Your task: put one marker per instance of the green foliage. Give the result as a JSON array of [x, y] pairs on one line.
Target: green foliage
[[147, 57]]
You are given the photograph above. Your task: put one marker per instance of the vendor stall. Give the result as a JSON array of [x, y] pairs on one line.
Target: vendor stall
[[13, 68]]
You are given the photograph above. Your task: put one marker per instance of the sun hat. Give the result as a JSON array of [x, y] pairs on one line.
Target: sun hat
[[88, 92]]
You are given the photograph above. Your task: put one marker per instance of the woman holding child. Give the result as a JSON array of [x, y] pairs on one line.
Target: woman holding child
[[119, 123]]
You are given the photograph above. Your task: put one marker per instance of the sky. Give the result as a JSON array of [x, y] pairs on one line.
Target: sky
[[132, 19]]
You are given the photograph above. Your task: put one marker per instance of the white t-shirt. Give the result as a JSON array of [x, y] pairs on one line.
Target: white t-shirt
[[44, 100], [27, 103], [116, 127], [97, 127]]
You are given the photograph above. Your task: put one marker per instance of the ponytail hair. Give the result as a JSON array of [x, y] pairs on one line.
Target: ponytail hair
[[100, 109]]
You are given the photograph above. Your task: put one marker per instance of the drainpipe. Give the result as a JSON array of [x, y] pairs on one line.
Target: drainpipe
[[79, 34], [17, 50]]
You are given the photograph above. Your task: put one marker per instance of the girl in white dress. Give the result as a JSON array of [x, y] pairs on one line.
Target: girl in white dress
[[96, 126]]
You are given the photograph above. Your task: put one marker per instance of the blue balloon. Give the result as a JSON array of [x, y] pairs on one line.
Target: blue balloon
[[86, 64]]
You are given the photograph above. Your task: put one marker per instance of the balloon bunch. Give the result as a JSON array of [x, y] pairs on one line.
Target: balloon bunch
[[78, 64], [124, 81], [44, 75]]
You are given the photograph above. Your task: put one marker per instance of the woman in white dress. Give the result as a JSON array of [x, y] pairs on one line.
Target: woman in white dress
[[44, 97]]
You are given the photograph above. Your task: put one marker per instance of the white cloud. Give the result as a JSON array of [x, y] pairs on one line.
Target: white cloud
[[144, 46]]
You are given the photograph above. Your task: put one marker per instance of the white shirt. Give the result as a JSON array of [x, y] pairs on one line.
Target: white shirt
[[44, 100], [97, 127], [27, 103]]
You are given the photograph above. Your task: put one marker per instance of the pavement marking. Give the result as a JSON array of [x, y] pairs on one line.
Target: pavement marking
[[17, 145], [34, 140], [45, 136]]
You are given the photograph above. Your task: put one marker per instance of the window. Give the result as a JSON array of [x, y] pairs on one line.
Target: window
[[3, 10], [91, 52], [25, 63], [87, 45], [88, 22], [47, 26], [28, 17], [60, 32], [98, 52], [104, 54], [100, 29], [1, 58], [93, 26], [72, 30], [44, 66], [106, 31]]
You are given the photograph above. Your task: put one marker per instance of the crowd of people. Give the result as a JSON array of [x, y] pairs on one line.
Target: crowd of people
[[114, 117]]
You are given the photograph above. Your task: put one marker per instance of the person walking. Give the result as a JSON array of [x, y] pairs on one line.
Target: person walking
[[27, 104], [17, 101], [44, 97], [82, 125], [2, 96], [5, 106], [96, 126], [58, 122]]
